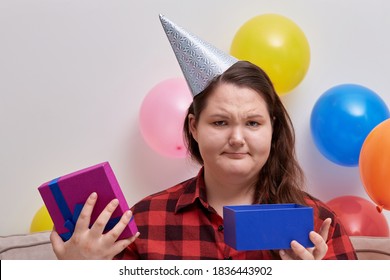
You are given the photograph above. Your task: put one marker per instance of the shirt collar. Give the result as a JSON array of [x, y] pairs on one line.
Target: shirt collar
[[195, 190]]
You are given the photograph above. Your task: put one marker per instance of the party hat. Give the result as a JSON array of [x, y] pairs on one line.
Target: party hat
[[200, 61]]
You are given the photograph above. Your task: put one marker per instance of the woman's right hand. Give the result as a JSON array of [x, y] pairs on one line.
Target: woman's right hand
[[91, 243]]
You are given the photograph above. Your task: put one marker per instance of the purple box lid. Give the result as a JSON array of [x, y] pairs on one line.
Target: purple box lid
[[65, 196]]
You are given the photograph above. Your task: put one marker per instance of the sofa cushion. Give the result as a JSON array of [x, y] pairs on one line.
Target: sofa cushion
[[371, 248], [34, 246]]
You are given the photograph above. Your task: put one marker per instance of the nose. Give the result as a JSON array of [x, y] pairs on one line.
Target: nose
[[237, 138]]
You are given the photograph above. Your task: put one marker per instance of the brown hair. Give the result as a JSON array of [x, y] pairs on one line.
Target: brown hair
[[281, 179]]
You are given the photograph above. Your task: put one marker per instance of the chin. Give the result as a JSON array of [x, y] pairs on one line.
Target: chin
[[237, 171]]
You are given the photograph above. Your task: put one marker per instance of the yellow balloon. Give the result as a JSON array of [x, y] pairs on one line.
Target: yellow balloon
[[41, 221], [277, 45]]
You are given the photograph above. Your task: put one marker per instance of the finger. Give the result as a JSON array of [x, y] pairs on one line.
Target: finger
[[300, 251], [57, 243], [284, 255], [117, 230], [324, 230], [320, 246], [84, 218], [101, 222], [120, 245]]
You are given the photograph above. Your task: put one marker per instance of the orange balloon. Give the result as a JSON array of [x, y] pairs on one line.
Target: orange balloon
[[374, 165]]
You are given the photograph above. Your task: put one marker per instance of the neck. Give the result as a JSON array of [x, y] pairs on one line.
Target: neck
[[222, 191]]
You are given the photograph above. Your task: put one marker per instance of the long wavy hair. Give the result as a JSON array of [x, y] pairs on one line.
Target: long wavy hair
[[281, 179]]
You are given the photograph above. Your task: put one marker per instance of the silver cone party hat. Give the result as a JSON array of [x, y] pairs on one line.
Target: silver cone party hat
[[200, 61]]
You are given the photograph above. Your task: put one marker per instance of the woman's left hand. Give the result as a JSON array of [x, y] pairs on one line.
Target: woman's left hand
[[317, 252]]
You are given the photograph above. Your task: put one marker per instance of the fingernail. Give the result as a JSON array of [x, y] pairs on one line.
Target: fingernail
[[115, 201], [93, 195], [293, 243], [128, 214]]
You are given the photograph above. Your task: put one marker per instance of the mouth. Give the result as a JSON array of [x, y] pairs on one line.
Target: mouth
[[235, 155]]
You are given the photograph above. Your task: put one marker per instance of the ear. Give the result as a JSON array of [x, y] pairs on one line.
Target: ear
[[193, 126]]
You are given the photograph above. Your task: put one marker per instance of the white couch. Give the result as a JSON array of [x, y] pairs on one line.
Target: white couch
[[37, 246]]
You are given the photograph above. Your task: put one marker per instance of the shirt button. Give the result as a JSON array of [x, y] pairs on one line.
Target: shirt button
[[220, 228]]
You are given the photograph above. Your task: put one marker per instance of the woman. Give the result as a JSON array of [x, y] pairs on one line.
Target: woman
[[239, 131]]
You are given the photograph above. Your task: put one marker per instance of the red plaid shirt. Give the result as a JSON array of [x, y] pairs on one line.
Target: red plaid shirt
[[178, 223]]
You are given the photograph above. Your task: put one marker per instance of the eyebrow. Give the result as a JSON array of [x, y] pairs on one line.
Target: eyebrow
[[251, 116]]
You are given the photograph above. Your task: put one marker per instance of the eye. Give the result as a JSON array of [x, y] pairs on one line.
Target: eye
[[253, 123], [219, 123]]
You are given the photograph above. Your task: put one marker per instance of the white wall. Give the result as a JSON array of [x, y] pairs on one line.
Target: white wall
[[73, 75]]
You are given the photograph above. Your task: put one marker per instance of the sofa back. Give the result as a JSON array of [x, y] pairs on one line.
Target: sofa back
[[37, 246]]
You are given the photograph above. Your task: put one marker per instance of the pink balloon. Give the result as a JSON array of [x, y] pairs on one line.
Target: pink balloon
[[359, 216], [162, 116]]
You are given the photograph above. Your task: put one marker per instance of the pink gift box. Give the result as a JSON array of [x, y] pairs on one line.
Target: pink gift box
[[65, 196]]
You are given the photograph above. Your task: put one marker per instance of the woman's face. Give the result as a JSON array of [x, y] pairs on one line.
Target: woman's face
[[233, 132]]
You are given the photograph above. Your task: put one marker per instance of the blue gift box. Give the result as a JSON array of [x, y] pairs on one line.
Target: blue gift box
[[267, 226]]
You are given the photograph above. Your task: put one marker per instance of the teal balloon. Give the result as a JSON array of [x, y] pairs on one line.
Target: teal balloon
[[342, 118]]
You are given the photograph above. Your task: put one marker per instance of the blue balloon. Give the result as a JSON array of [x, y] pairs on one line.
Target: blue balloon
[[342, 118]]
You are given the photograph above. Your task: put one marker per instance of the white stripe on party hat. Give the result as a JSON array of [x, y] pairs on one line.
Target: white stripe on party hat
[[200, 61]]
